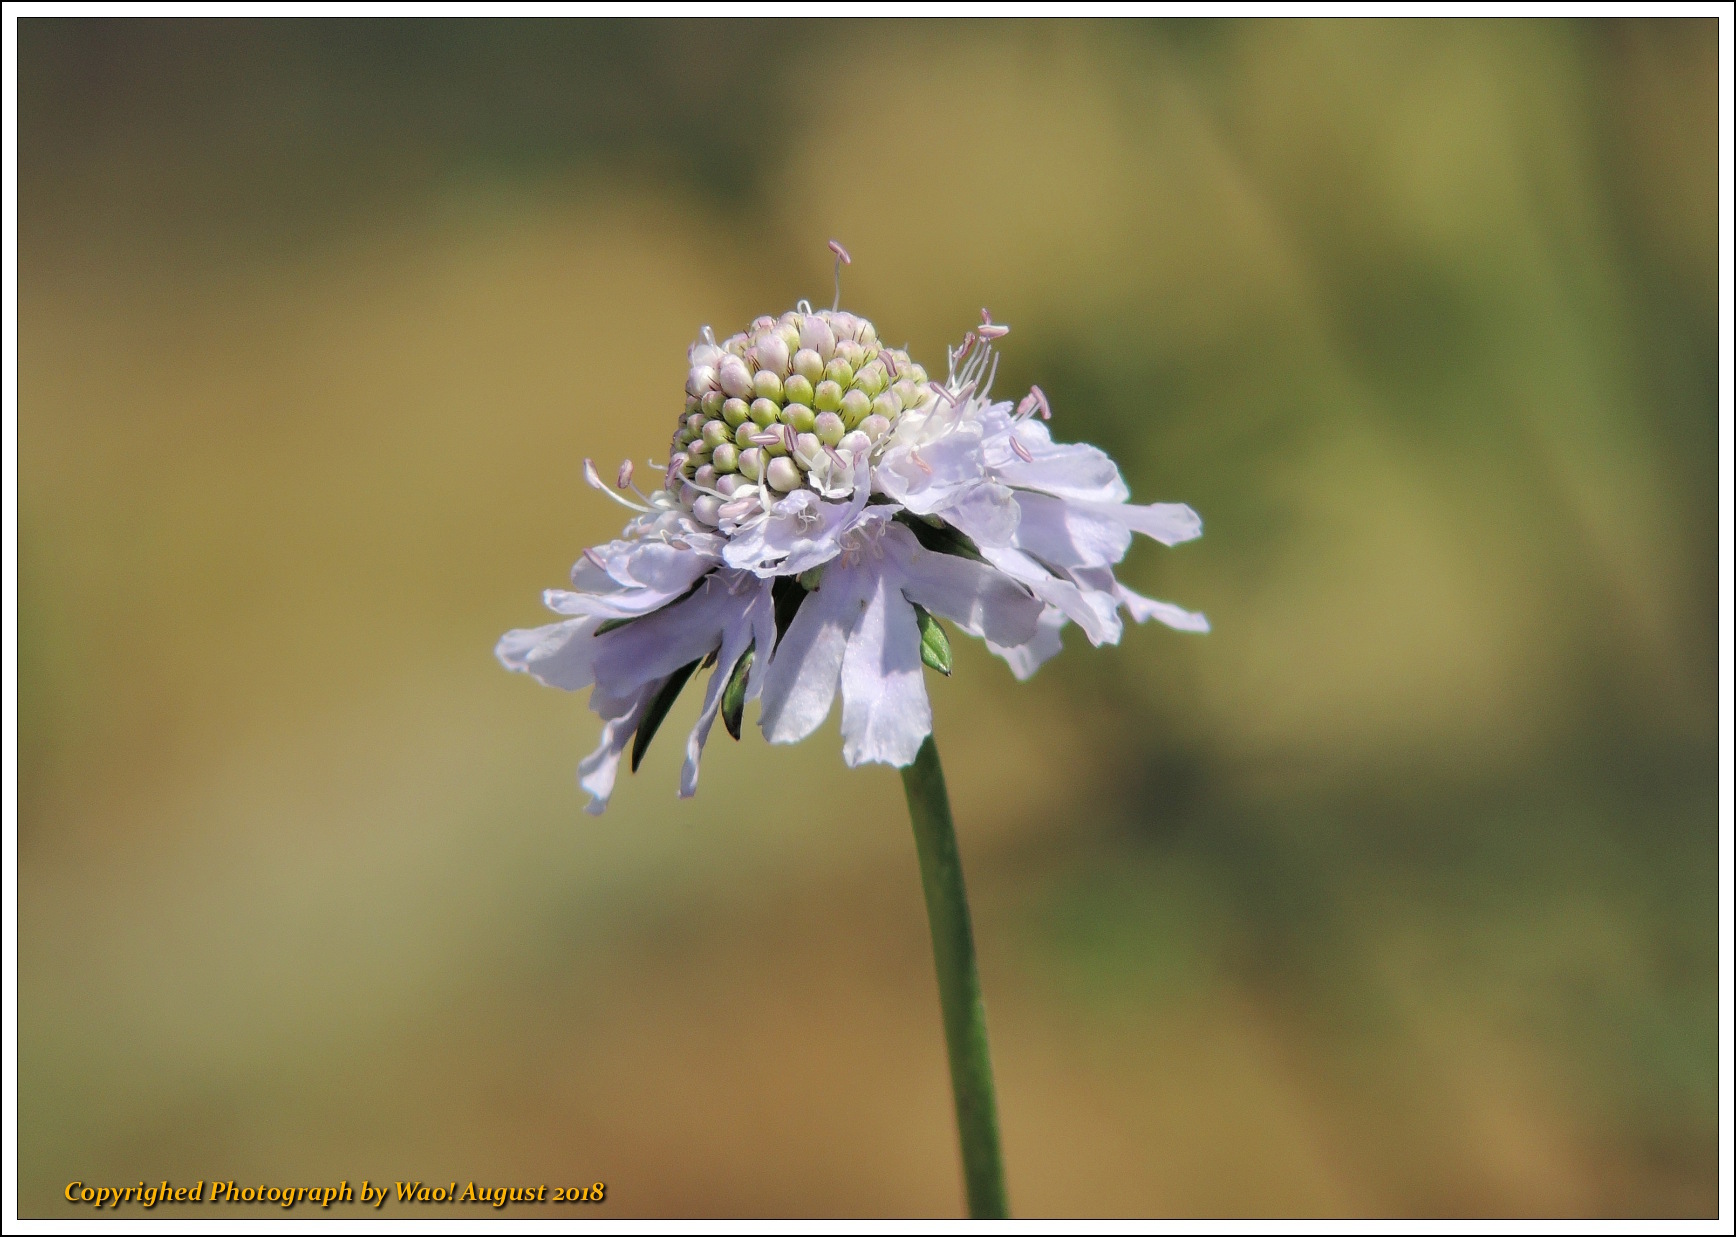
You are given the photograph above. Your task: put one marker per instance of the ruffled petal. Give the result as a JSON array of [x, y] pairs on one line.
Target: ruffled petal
[[655, 646], [737, 636], [979, 598], [1025, 659], [1093, 610], [886, 711], [1144, 608], [560, 655], [1072, 470], [803, 677], [1064, 533], [1170, 523], [620, 716], [930, 458]]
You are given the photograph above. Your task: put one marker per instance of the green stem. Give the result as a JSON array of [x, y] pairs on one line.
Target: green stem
[[961, 996]]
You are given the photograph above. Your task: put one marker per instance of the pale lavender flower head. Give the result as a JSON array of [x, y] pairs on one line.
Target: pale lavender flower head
[[822, 501]]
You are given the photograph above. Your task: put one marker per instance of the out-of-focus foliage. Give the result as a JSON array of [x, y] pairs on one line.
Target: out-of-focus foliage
[[1394, 894]]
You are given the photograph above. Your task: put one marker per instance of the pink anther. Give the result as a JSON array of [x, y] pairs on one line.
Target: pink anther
[[624, 477], [842, 254], [1019, 448]]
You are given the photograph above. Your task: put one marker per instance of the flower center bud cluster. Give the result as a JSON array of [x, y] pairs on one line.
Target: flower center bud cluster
[[776, 405]]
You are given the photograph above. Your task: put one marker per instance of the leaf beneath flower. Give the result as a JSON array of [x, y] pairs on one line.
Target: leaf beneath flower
[[661, 703], [936, 648], [735, 695]]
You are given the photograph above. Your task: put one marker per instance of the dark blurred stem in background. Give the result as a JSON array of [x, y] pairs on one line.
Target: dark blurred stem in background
[[961, 997]]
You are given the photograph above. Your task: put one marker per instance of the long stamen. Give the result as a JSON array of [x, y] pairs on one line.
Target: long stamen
[[596, 483], [841, 258], [989, 329]]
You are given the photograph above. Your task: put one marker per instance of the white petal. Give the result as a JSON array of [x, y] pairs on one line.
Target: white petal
[[621, 718], [560, 655], [803, 677], [982, 600], [1073, 470], [1144, 608], [1064, 533], [658, 644], [987, 512], [1092, 609], [1024, 659], [886, 713], [735, 642], [1170, 523]]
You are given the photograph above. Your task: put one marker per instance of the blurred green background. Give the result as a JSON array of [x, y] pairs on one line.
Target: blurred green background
[[1395, 894]]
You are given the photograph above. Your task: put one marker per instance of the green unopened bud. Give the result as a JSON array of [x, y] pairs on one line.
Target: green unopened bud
[[734, 412], [828, 396], [706, 474], [853, 353], [874, 425], [798, 417], [918, 375], [854, 408], [763, 412], [723, 457], [840, 371], [782, 474], [798, 390], [829, 428], [817, 334], [735, 695], [807, 449], [872, 379], [936, 648], [711, 404], [715, 434], [691, 404], [808, 364], [749, 463], [696, 424], [788, 331], [907, 393], [768, 385], [744, 434], [773, 354], [734, 378], [886, 405]]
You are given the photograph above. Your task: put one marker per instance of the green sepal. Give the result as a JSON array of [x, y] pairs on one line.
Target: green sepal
[[936, 648], [810, 579], [660, 706], [613, 624], [735, 695]]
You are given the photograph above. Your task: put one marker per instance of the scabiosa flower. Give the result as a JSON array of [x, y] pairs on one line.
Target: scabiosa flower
[[822, 501]]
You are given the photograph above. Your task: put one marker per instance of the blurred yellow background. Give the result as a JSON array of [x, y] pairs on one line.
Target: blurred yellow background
[[1395, 894]]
